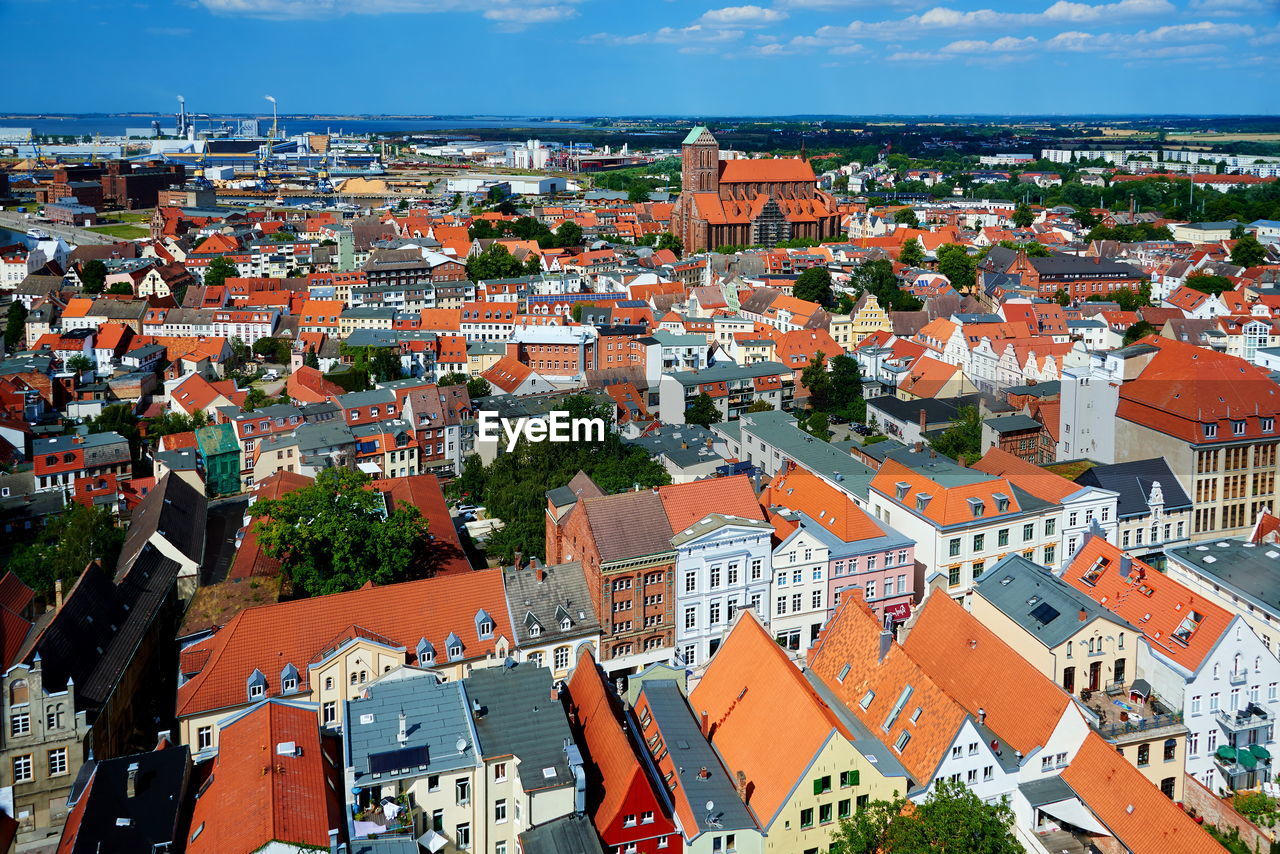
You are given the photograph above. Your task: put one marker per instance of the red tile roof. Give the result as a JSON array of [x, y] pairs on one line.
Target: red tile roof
[[269, 636], [800, 490], [688, 503], [1179, 623], [766, 170], [1027, 476], [1136, 812], [256, 795]]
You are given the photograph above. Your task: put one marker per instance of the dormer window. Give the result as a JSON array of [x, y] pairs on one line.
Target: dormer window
[[289, 679], [453, 646], [922, 500], [1002, 502], [1237, 428], [566, 624], [902, 489], [257, 685], [426, 653], [535, 630], [977, 507], [1211, 431], [484, 624], [1268, 425]]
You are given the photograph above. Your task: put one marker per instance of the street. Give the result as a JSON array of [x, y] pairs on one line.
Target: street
[[69, 233]]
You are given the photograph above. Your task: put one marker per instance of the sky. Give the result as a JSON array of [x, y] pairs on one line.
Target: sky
[[646, 57]]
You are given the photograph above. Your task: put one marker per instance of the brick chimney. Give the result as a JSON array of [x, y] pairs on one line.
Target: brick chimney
[[705, 723], [57, 595], [924, 419]]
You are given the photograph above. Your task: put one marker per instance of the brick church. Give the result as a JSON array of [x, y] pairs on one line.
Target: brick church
[[747, 202]]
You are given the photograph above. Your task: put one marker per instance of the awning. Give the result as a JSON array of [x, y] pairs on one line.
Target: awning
[[1246, 759], [433, 841], [1226, 752], [1259, 751], [1076, 814]]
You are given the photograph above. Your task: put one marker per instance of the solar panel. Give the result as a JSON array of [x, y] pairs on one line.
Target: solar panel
[[396, 760], [1044, 613]]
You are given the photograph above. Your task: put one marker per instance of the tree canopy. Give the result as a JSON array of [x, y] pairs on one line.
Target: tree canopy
[[331, 536], [907, 217], [1023, 216], [1204, 283], [1248, 252], [955, 263], [963, 438], [93, 275], [951, 820], [703, 411], [218, 271], [15, 324], [65, 546], [877, 278], [495, 262], [814, 285], [912, 253], [513, 487]]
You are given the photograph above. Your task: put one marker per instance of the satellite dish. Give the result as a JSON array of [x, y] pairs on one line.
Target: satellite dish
[[462, 745], [711, 805]]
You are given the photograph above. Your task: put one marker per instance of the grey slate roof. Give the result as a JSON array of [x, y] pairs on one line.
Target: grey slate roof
[[563, 591], [519, 716], [1133, 481], [629, 525], [436, 718], [174, 509], [570, 834], [1048, 608], [1252, 571], [690, 752], [1013, 423]]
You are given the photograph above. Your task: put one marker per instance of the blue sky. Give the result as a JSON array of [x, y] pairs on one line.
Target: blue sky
[[629, 57]]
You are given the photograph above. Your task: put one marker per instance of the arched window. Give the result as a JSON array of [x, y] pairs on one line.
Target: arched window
[[18, 692]]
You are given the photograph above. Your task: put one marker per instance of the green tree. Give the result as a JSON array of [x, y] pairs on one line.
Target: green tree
[[513, 487], [760, 405], [638, 193], [951, 820], [79, 362], [1023, 216], [93, 275], [385, 365], [846, 388], [912, 254], [495, 262], [452, 378], [331, 536], [1141, 329], [963, 438], [1248, 252], [170, 422], [817, 381], [814, 285], [703, 411], [1062, 298], [15, 324], [816, 425], [120, 288], [478, 387], [273, 349], [907, 217], [575, 312], [311, 360], [877, 278], [956, 264], [218, 271], [667, 240], [65, 546], [1126, 298], [1209, 284]]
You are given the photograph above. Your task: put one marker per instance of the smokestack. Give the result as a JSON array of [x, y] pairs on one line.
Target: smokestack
[[886, 643], [705, 722], [57, 596], [924, 420], [131, 786]]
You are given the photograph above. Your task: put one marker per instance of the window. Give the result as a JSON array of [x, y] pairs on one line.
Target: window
[[1028, 531], [1002, 537], [824, 813], [715, 577], [1195, 705], [979, 542], [20, 724], [462, 791], [817, 599], [782, 605], [330, 713], [848, 778], [797, 602], [1144, 755], [822, 785], [53, 718], [561, 657], [328, 683], [757, 568], [904, 738], [462, 838], [22, 768], [953, 575], [646, 817], [499, 811], [1050, 554], [806, 815], [953, 546], [713, 614], [204, 738], [844, 809], [1170, 749], [871, 590], [57, 762], [1049, 526], [988, 772], [1213, 702], [690, 582]]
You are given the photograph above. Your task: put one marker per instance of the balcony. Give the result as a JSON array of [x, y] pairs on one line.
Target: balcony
[[1243, 766], [1117, 719], [1238, 677], [386, 817], [1250, 717]]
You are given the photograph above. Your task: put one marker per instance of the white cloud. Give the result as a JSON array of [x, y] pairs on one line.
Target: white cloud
[[916, 56], [1231, 8], [1007, 44], [742, 16], [693, 34], [512, 14]]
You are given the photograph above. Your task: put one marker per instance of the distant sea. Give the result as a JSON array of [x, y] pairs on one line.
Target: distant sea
[[8, 238], [116, 125]]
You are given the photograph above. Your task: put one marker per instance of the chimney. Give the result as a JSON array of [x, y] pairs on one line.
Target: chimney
[[962, 460], [705, 723], [919, 446], [742, 786], [924, 420], [886, 642], [540, 574], [57, 595], [403, 735], [703, 773], [982, 716], [131, 786], [1084, 615], [517, 557]]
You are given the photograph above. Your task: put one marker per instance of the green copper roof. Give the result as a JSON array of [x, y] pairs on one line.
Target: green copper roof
[[694, 134]]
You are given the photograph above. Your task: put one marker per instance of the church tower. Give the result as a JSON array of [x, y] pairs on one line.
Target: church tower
[[700, 162]]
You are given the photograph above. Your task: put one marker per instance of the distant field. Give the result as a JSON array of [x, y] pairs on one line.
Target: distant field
[[127, 232], [130, 216], [1208, 138]]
